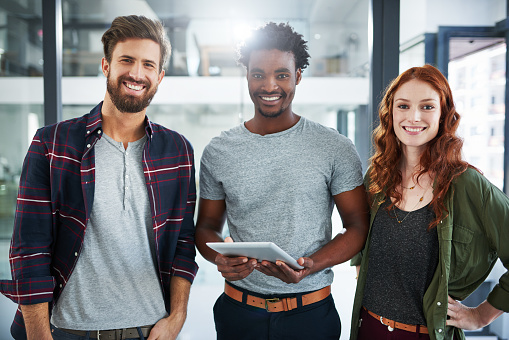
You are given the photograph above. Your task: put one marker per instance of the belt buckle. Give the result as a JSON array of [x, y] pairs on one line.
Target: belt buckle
[[388, 326], [267, 301]]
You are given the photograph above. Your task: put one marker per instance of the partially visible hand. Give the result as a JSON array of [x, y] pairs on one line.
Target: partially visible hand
[[166, 329], [284, 272], [234, 268], [463, 317]]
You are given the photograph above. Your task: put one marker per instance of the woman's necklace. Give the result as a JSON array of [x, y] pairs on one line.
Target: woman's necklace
[[413, 209]]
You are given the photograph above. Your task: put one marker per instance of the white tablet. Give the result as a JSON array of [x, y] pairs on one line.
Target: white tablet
[[256, 250]]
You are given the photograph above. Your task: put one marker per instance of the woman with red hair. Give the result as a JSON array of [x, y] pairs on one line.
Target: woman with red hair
[[437, 224]]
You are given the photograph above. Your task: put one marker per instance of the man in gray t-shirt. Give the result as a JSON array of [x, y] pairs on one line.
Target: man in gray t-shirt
[[276, 178]]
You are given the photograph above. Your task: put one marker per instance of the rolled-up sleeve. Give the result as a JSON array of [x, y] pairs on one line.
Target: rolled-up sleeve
[[31, 245], [184, 264]]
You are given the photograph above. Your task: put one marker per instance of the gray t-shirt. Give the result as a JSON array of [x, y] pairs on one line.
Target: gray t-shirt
[[115, 283], [280, 187]]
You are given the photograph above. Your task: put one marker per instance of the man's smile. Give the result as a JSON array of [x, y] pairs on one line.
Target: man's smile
[[271, 98], [134, 87]]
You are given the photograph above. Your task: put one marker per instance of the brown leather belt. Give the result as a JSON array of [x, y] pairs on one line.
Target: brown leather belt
[[113, 334], [391, 324], [277, 304]]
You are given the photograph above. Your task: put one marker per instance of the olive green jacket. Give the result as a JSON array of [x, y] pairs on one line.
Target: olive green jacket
[[471, 238]]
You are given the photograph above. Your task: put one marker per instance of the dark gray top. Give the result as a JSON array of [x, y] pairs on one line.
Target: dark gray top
[[402, 260]]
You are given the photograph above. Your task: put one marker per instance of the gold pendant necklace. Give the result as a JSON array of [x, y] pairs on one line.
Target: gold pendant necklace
[[418, 202]]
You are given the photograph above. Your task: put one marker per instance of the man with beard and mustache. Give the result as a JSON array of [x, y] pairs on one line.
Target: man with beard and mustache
[[276, 178], [103, 243]]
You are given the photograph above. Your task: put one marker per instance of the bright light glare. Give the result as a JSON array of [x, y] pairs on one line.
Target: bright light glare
[[32, 125], [242, 32]]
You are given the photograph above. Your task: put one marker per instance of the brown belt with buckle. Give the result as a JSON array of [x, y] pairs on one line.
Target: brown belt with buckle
[[113, 334], [277, 304], [391, 324]]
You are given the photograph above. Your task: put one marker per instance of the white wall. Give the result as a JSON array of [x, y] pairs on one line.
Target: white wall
[[419, 17]]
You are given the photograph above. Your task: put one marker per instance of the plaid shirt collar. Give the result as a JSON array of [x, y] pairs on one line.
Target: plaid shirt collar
[[94, 123]]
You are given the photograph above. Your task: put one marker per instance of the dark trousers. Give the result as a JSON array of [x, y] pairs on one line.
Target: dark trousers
[[373, 329], [235, 320]]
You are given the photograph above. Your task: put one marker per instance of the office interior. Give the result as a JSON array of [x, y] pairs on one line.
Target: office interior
[[50, 57]]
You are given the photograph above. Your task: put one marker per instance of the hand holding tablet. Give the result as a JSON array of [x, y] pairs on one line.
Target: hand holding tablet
[[258, 250]]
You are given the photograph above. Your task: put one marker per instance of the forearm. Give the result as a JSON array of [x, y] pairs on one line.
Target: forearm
[[209, 226], [353, 209], [488, 313], [340, 249], [179, 297], [36, 319], [170, 327], [203, 235]]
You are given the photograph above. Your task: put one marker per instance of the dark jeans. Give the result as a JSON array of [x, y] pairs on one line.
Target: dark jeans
[[235, 320], [373, 329]]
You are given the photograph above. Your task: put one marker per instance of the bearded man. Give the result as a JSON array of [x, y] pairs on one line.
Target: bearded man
[[103, 242]]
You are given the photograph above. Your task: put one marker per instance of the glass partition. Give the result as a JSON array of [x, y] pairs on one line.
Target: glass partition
[[204, 34], [21, 113], [478, 83], [412, 54], [20, 59]]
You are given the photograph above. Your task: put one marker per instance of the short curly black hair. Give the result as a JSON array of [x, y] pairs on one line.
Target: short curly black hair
[[275, 36]]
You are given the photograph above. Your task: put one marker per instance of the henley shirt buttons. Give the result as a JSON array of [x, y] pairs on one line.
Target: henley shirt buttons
[[88, 145], [76, 254], [88, 132], [440, 330], [439, 303], [99, 131]]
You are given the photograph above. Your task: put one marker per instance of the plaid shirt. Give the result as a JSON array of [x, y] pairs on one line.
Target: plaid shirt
[[55, 198]]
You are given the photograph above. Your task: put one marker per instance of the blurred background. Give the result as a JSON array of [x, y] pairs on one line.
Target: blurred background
[[50, 56]]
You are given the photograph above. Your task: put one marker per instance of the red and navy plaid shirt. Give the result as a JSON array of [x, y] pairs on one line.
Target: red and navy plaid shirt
[[55, 198]]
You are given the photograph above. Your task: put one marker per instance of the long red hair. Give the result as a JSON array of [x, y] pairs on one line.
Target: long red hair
[[442, 156]]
